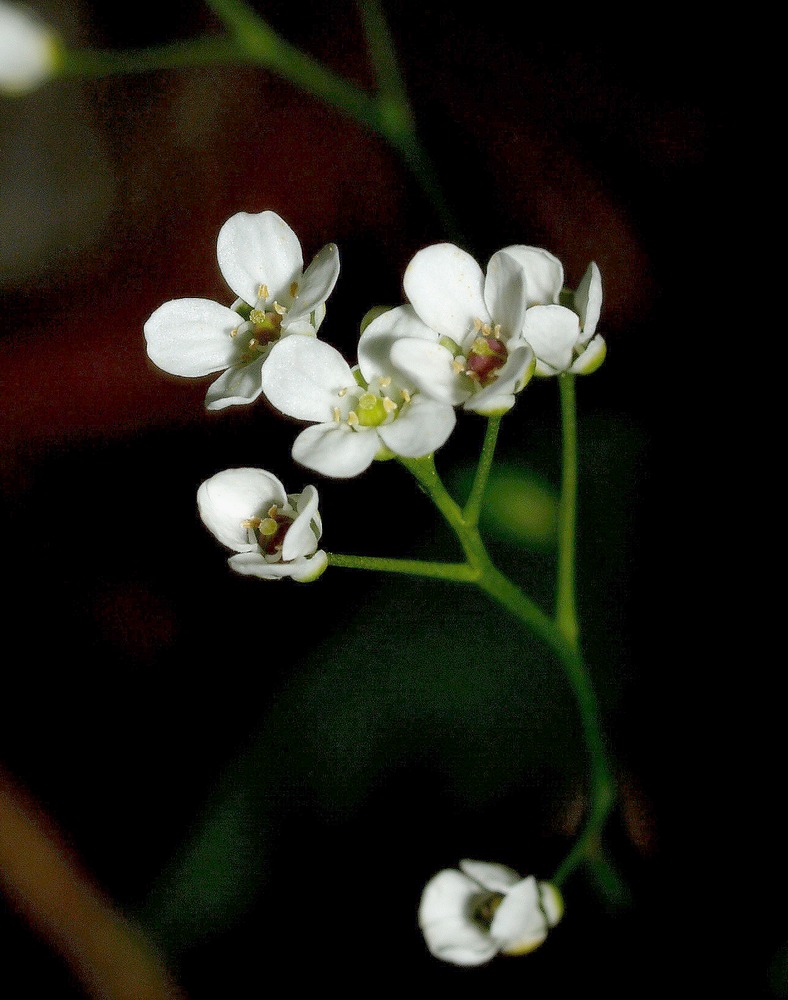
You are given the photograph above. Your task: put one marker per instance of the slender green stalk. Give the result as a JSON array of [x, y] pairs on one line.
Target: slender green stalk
[[458, 572], [392, 93], [91, 63], [475, 499], [565, 601]]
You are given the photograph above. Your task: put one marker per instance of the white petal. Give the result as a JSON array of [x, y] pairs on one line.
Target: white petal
[[544, 273], [519, 925], [336, 450], [300, 539], [377, 340], [303, 377], [259, 250], [445, 920], [552, 903], [591, 358], [192, 337], [429, 368], [316, 285], [238, 385], [588, 301], [231, 497], [498, 397], [505, 293], [254, 564], [490, 875], [28, 50], [424, 426], [552, 332], [445, 285]]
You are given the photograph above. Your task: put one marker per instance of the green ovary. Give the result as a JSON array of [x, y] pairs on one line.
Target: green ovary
[[371, 410]]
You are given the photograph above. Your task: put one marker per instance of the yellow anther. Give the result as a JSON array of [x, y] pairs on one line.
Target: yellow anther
[[293, 289], [496, 331], [268, 527], [337, 414], [251, 522], [477, 325], [273, 510], [458, 366], [253, 342], [234, 333], [279, 309], [342, 392], [389, 405], [262, 292], [352, 419], [405, 395], [384, 381]]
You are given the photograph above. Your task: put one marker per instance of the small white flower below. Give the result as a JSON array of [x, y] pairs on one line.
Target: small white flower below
[[273, 534], [261, 260], [29, 50], [469, 916]]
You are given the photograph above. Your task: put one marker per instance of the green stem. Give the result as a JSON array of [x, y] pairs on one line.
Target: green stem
[[565, 602], [473, 506], [458, 572], [264, 47], [91, 63], [559, 634]]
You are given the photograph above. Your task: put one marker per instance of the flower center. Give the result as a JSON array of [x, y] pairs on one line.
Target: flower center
[[483, 909], [369, 405], [486, 357], [269, 532]]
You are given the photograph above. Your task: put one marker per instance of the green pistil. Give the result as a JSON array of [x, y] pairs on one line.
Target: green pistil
[[371, 410]]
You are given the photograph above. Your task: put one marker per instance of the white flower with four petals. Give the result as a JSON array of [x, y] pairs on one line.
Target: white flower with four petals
[[261, 260], [459, 340], [357, 414], [469, 916], [274, 534]]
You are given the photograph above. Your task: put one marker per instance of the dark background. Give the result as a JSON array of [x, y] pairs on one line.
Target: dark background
[[330, 747]]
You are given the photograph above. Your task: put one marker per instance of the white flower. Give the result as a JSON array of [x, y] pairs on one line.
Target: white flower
[[560, 325], [358, 414], [261, 260], [273, 534], [29, 50], [469, 916], [459, 340]]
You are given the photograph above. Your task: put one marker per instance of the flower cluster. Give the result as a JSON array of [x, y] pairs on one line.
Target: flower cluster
[[470, 915], [464, 338]]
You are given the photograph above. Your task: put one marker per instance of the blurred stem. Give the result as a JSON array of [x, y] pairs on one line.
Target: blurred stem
[[106, 953], [87, 63], [252, 41]]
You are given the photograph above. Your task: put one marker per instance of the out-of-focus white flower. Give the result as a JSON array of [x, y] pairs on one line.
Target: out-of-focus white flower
[[460, 338], [261, 260], [469, 916], [29, 50], [358, 414], [560, 325], [274, 534]]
